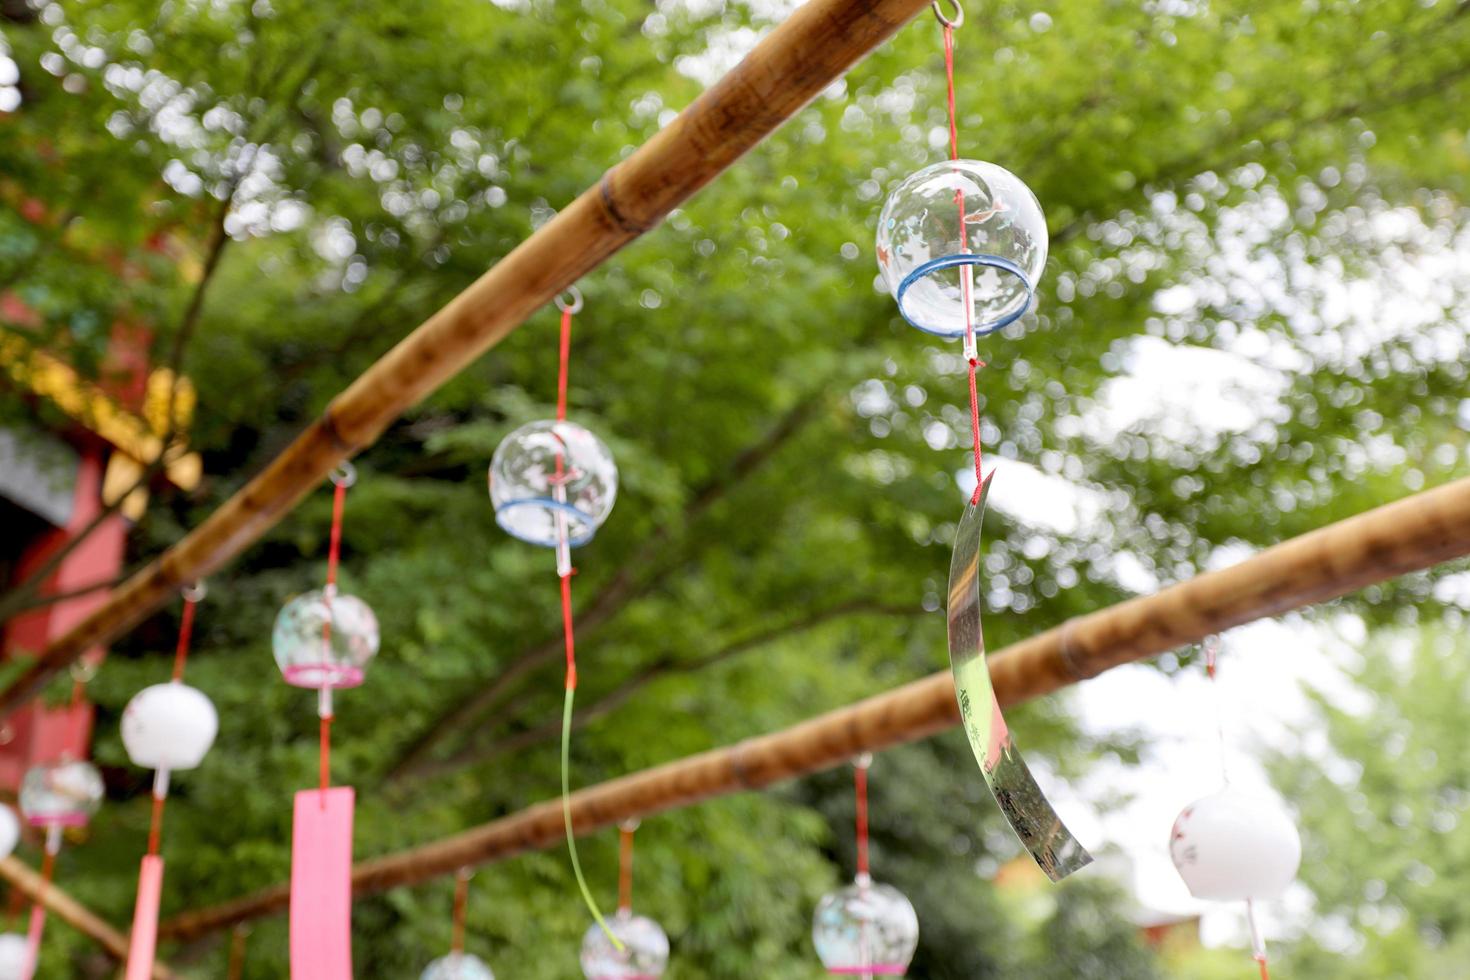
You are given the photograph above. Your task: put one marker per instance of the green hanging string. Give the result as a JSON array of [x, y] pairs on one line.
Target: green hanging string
[[566, 812]]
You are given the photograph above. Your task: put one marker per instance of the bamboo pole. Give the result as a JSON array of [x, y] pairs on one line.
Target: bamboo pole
[[73, 913], [1409, 535], [790, 67]]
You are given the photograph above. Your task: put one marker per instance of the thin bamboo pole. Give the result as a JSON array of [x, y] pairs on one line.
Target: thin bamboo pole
[[1409, 535], [73, 913], [789, 68]]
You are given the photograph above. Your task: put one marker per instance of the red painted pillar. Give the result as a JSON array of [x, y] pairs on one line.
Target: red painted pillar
[[38, 733]]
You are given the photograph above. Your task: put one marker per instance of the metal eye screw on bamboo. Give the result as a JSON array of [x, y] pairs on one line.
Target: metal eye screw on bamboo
[[1409, 535]]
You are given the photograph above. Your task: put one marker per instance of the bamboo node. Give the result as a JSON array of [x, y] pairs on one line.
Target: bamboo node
[[610, 207]]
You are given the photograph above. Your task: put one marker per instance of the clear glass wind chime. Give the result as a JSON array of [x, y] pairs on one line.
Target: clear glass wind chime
[[961, 245], [459, 965], [641, 950], [867, 928], [1232, 846], [323, 640], [53, 797], [552, 484], [167, 728]]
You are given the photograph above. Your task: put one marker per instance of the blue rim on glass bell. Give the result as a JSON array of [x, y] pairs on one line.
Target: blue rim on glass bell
[[961, 245], [552, 483]]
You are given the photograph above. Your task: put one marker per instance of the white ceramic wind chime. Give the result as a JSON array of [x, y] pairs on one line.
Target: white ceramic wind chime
[[167, 728], [1233, 846]]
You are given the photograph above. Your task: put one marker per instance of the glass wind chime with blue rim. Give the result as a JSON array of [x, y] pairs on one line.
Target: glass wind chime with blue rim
[[552, 484], [961, 245]]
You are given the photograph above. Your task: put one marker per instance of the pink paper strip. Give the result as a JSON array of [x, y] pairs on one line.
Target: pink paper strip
[[145, 919], [321, 885], [33, 939]]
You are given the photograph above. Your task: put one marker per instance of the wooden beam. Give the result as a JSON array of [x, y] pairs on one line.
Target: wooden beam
[[73, 913], [784, 72], [1406, 536]]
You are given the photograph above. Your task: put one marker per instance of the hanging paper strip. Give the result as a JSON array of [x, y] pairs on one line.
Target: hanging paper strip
[[1025, 807], [145, 919], [321, 885], [33, 939]]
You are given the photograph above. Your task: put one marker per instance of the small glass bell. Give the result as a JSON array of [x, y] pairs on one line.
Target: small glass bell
[[532, 502], [927, 261], [60, 794], [645, 953], [457, 966], [304, 654], [866, 929]]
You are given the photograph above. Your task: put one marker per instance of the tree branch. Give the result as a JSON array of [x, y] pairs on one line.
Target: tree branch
[[624, 586], [24, 594], [667, 664]]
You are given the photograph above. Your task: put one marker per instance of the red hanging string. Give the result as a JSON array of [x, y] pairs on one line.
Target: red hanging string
[[334, 557], [565, 362], [566, 624], [860, 784], [1265, 973], [181, 657], [954, 132], [334, 546], [563, 367], [974, 362], [186, 635], [325, 740], [565, 571], [237, 952], [625, 867], [461, 901]]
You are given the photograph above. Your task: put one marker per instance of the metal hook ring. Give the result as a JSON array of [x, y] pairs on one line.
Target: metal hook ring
[[575, 306], [195, 592], [82, 671], [630, 825], [863, 760], [959, 14], [344, 475]]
